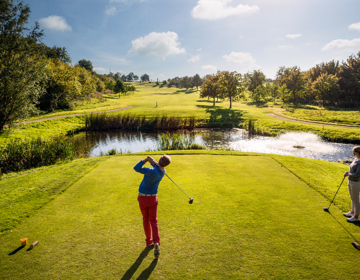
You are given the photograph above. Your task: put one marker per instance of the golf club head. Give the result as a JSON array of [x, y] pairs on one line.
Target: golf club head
[[326, 209], [356, 245], [191, 200]]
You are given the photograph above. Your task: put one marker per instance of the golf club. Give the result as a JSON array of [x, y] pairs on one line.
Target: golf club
[[191, 199], [326, 209]]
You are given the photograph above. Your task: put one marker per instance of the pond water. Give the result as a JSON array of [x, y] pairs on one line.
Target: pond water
[[295, 144]]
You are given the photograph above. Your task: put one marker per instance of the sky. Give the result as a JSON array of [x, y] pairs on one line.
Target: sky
[[176, 38]]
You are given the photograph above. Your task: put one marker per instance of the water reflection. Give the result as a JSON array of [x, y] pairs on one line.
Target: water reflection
[[96, 144]]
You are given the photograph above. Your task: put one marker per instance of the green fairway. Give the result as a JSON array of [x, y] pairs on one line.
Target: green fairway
[[253, 217]]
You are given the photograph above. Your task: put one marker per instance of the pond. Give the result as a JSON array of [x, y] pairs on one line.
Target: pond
[[295, 144]]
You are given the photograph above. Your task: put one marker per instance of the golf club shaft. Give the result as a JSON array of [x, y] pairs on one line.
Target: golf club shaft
[[336, 192], [177, 185]]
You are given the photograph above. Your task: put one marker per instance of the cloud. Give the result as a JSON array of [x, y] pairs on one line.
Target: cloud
[[242, 58], [340, 45], [123, 61], [218, 9], [194, 58], [158, 44], [293, 36], [355, 26], [55, 23], [110, 11], [211, 68], [285, 47], [101, 70]]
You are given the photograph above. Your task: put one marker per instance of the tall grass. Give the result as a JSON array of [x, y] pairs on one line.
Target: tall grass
[[106, 122], [21, 154], [177, 142]]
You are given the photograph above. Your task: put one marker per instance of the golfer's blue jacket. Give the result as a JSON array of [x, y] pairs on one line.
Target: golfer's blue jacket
[[152, 178]]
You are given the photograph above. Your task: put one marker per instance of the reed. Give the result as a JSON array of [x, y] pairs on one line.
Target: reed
[[177, 142], [106, 122], [21, 154]]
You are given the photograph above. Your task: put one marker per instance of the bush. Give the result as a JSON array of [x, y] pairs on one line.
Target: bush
[[20, 154]]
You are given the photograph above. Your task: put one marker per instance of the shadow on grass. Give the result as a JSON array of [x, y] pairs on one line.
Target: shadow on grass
[[352, 236], [223, 117], [186, 91], [16, 250], [147, 272]]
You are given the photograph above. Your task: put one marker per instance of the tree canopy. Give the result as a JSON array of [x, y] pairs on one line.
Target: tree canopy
[[21, 63]]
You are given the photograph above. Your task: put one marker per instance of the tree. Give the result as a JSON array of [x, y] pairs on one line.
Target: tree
[[349, 82], [255, 79], [57, 53], [197, 81], [62, 86], [284, 93], [326, 88], [119, 87], [293, 78], [21, 63], [259, 93], [130, 77], [86, 64], [117, 76], [145, 78], [272, 91], [230, 83], [211, 88]]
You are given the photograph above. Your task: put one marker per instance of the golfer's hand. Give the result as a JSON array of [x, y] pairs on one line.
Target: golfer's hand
[[346, 173], [151, 160]]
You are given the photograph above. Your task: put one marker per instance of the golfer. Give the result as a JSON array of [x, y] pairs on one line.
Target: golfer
[[148, 200], [354, 186]]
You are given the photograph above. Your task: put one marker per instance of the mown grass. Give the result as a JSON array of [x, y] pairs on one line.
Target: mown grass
[[251, 219], [22, 194], [343, 117]]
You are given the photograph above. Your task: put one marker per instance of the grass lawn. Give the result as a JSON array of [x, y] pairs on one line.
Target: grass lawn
[[253, 217]]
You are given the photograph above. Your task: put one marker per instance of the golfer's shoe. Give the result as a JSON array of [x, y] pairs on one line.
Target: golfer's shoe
[[349, 215], [352, 220], [150, 246], [156, 250]]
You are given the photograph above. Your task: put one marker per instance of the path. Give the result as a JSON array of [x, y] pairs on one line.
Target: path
[[293, 120], [74, 115]]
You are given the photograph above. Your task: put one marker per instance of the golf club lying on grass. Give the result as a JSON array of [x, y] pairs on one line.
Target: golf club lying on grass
[[326, 209]]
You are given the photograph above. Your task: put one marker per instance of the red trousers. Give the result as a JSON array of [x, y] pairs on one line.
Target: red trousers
[[148, 206]]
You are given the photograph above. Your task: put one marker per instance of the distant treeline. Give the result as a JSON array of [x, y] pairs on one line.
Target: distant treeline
[[327, 84]]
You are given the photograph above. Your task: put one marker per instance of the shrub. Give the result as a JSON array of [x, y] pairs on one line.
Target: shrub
[[20, 154]]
